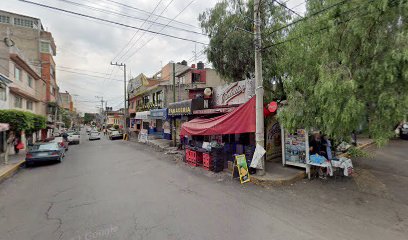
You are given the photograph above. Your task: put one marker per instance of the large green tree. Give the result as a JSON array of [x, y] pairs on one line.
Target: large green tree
[[347, 65], [229, 25]]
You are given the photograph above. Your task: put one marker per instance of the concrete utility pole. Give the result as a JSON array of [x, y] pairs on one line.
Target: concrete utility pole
[[259, 91], [125, 113], [174, 100]]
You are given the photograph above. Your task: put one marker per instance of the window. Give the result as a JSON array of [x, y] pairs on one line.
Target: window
[[17, 73], [52, 90], [24, 22], [29, 105], [4, 19], [52, 72], [3, 96], [196, 77], [18, 102], [30, 81]]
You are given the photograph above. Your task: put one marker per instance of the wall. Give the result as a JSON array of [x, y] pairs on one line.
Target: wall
[[6, 104]]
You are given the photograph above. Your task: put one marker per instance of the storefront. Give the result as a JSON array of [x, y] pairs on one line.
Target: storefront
[[181, 112], [142, 124], [159, 124]]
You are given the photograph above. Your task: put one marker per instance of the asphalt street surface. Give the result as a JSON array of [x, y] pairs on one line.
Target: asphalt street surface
[[123, 190]]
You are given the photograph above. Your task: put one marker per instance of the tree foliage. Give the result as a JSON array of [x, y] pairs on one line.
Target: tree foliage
[[22, 121], [229, 26], [347, 66], [88, 117]]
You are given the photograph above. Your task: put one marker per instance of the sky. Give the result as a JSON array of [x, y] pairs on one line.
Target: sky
[[85, 47]]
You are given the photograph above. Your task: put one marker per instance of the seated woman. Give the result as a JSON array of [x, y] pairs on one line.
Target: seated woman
[[317, 145]]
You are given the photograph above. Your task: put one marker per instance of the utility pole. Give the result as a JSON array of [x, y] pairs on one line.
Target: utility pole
[[259, 91], [174, 100], [125, 113]]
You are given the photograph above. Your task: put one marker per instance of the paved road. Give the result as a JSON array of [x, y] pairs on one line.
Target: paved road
[[122, 190]]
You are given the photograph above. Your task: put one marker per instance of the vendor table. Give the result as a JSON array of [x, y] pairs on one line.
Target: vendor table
[[342, 163]]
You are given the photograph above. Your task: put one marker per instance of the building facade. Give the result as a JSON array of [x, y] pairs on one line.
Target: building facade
[[32, 45]]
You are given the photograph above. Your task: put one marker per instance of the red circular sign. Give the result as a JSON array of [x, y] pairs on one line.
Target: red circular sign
[[272, 107]]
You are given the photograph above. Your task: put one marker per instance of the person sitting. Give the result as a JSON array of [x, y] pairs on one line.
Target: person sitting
[[317, 146]]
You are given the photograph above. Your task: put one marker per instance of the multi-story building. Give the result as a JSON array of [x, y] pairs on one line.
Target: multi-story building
[[66, 101], [150, 97], [37, 48]]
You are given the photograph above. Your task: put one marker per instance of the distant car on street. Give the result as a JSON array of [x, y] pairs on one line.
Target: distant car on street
[[42, 152], [61, 141], [95, 135], [115, 135], [74, 137], [404, 131]]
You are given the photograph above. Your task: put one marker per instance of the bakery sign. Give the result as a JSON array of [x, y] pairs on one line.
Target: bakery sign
[[234, 93]]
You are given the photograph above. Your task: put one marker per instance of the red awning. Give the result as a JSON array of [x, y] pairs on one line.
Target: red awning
[[241, 120]]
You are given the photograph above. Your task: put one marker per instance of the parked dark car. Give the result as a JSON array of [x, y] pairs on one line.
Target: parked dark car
[[404, 131], [44, 152]]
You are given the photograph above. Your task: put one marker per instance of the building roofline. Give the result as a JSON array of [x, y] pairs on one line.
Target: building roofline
[[26, 16]]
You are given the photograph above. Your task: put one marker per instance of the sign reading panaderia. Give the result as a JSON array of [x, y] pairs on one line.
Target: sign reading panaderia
[[186, 107]]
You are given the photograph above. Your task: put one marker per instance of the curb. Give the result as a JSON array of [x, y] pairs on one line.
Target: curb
[[10, 170], [277, 182]]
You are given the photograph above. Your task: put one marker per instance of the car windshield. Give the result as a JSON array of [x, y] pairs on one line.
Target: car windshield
[[46, 146]]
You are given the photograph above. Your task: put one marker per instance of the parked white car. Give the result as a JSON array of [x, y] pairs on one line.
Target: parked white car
[[95, 135], [74, 137]]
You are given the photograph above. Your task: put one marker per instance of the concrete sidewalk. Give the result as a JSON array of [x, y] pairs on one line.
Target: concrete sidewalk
[[13, 165]]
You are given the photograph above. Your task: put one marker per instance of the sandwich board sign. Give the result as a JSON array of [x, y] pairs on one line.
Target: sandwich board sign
[[242, 167]]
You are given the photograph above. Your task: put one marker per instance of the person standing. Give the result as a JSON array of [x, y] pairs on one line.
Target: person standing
[[16, 143]]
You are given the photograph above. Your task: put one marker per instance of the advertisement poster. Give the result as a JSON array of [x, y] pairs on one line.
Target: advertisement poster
[[166, 127], [242, 167], [273, 140]]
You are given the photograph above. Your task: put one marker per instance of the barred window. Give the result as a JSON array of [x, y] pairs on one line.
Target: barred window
[[4, 19]]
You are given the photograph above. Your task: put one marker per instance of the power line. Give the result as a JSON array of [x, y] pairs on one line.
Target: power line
[[112, 22], [90, 75], [144, 11], [137, 50], [283, 5], [321, 29], [308, 16], [134, 35], [137, 40], [128, 16], [298, 5]]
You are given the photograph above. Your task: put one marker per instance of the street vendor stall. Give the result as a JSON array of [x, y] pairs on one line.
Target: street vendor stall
[[297, 150], [212, 142]]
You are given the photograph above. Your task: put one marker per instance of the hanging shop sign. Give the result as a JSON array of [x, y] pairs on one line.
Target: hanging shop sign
[[142, 115], [158, 114], [187, 107], [214, 110], [234, 93], [242, 167], [272, 107]]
